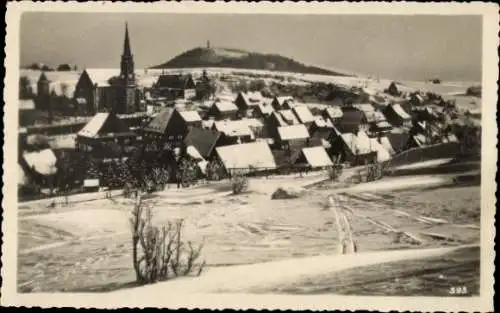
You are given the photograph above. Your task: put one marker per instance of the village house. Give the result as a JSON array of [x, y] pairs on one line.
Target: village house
[[233, 132], [204, 140], [355, 149], [397, 116], [175, 86], [292, 138], [334, 114], [352, 121], [315, 158], [283, 103], [279, 119], [247, 102], [170, 127], [239, 131], [104, 135], [320, 131], [247, 157], [221, 110], [264, 109]]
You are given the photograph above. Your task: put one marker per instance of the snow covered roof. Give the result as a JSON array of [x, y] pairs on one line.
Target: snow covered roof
[[384, 141], [234, 128], [364, 107], [317, 157], [190, 116], [43, 161], [288, 117], [321, 122], [193, 152], [303, 113], [358, 144], [92, 128], [292, 132], [252, 98], [225, 106], [382, 153], [334, 112], [283, 99], [241, 156], [401, 112], [96, 124]]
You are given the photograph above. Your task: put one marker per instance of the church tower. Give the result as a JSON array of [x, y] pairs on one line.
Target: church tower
[[128, 88]]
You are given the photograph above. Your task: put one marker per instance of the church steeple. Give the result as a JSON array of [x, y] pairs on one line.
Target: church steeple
[[126, 42], [127, 62]]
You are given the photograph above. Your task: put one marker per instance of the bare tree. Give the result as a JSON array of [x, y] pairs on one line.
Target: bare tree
[[159, 253]]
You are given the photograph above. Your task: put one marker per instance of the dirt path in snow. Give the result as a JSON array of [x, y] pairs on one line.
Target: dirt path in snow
[[244, 278]]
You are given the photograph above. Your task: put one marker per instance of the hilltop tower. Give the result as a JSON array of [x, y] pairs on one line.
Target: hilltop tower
[[128, 85], [208, 44]]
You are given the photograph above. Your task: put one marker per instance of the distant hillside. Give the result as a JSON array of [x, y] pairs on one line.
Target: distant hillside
[[234, 58]]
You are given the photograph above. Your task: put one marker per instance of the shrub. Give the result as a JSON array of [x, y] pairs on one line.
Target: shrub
[[159, 253], [239, 184]]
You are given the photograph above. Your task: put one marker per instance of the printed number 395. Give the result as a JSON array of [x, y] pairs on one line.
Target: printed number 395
[[458, 290]]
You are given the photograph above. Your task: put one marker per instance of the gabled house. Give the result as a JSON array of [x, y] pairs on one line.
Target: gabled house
[[292, 138], [171, 126], [246, 157], [222, 109], [175, 86], [104, 134], [356, 149], [247, 102], [397, 116], [352, 121], [234, 132], [283, 103], [320, 131], [280, 119], [205, 141], [264, 109]]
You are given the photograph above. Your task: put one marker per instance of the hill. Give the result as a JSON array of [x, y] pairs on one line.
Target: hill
[[235, 58]]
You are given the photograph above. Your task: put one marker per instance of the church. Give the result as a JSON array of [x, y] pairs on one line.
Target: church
[[119, 94]]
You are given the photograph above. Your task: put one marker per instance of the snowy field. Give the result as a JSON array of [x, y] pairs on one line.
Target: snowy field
[[86, 246]]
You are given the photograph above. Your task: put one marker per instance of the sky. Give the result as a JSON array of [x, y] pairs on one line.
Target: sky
[[417, 47]]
